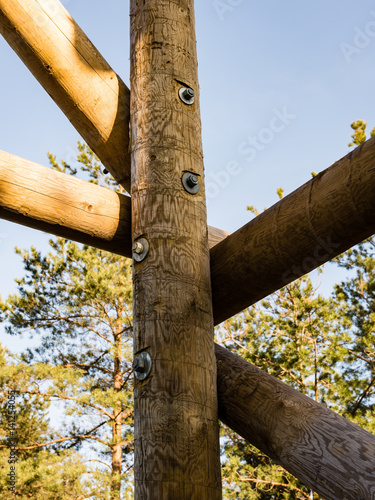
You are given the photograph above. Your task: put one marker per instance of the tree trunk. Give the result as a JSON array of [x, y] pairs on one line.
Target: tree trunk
[[117, 420]]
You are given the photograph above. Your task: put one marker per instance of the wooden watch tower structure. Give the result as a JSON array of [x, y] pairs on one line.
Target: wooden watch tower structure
[[187, 276]]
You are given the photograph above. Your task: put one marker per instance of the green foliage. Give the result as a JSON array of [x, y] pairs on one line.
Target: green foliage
[[40, 473], [89, 167], [356, 299]]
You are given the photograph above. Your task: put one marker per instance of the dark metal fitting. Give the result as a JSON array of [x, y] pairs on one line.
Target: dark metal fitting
[[140, 249], [142, 366], [186, 95], [190, 182]]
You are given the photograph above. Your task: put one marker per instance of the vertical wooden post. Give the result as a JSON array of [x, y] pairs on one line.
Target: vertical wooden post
[[176, 425]]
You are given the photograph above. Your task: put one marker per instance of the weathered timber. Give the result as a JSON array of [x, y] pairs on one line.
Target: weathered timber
[[326, 452], [74, 74], [60, 204], [176, 427], [323, 218], [56, 203]]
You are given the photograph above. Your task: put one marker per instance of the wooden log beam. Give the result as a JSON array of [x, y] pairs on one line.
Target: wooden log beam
[[50, 201], [326, 452], [176, 434], [75, 75], [323, 218], [56, 203]]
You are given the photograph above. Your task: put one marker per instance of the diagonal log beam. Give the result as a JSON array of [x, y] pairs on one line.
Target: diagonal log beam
[[56, 203], [323, 218], [75, 75], [323, 450]]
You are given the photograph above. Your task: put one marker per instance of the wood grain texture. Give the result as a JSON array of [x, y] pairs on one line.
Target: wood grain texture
[[176, 426], [321, 219], [328, 453], [60, 204], [75, 75]]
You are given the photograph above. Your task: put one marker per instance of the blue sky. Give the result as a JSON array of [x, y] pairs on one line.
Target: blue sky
[[280, 84]]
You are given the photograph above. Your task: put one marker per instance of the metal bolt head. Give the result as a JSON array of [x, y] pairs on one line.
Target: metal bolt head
[[140, 249], [190, 181], [186, 95], [142, 366], [139, 365]]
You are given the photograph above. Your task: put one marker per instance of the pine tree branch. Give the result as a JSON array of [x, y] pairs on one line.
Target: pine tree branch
[[71, 365], [123, 443], [130, 371], [362, 397], [99, 461], [271, 483], [68, 398], [101, 356], [80, 437], [358, 356]]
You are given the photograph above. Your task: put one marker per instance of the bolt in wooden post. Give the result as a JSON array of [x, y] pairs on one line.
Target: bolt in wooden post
[[176, 425]]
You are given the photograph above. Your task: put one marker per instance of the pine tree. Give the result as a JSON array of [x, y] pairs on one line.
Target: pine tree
[[356, 300], [43, 474], [77, 300]]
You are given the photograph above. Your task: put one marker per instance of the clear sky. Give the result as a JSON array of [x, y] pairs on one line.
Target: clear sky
[[280, 84]]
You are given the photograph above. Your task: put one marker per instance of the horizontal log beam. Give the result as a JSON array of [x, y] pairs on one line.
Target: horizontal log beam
[[75, 75], [326, 452], [50, 201], [323, 218], [57, 203], [318, 221]]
